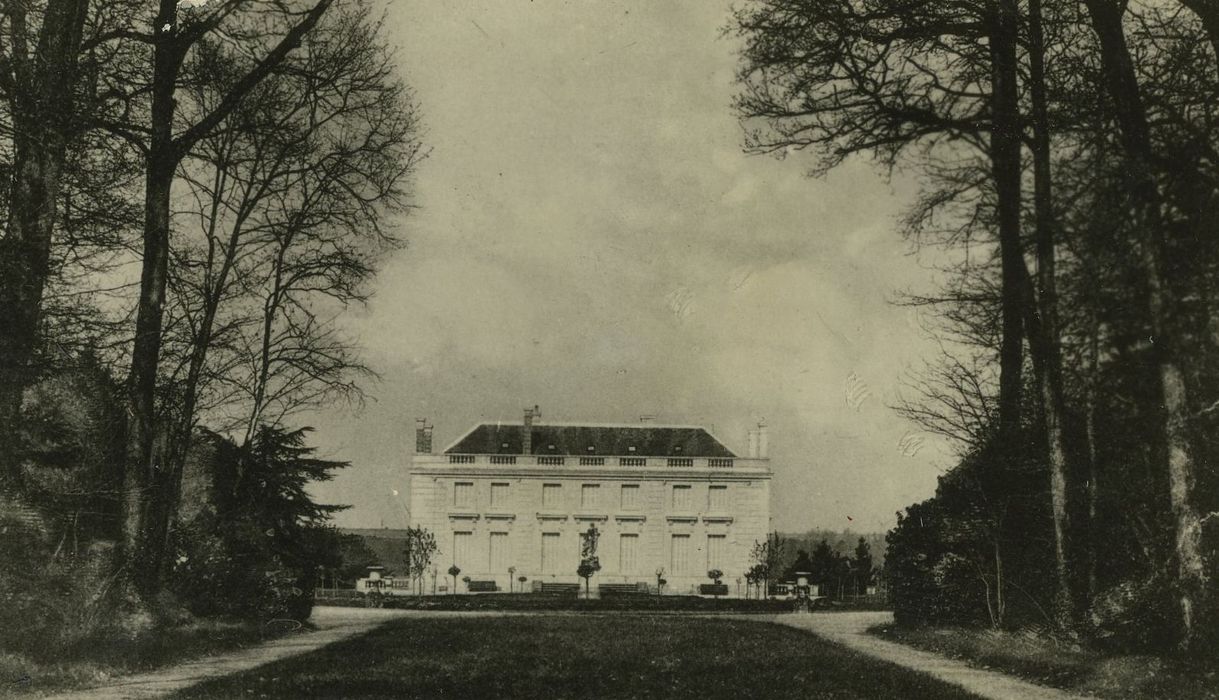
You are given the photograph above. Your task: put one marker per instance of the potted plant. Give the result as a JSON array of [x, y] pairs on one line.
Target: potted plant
[[454, 570]]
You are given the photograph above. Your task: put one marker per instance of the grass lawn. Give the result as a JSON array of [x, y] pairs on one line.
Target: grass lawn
[[23, 676], [579, 656], [1064, 666]]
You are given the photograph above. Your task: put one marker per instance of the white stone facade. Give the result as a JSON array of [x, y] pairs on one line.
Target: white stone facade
[[683, 514]]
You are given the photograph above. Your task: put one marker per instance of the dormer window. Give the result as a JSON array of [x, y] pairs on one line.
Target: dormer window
[[504, 445], [677, 449], [592, 448], [630, 448], [550, 447]]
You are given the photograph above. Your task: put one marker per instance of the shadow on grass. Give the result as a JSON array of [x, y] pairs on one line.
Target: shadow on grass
[[579, 656], [96, 660]]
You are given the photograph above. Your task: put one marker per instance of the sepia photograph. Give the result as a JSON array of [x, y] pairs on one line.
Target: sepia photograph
[[681, 349]]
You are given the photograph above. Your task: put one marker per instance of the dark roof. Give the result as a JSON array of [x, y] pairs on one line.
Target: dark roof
[[572, 440]]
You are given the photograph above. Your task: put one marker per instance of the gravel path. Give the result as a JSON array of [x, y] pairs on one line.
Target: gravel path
[[850, 630]]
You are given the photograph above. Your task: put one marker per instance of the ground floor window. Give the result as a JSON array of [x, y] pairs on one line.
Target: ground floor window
[[551, 553], [679, 558], [715, 551], [628, 553], [497, 552], [461, 549]]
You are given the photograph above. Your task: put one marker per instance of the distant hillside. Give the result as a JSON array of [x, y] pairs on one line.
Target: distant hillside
[[386, 543], [385, 533]]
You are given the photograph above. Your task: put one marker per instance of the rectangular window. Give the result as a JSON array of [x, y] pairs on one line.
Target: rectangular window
[[497, 552], [552, 495], [717, 499], [463, 494], [630, 497], [551, 553], [715, 551], [461, 549], [499, 495], [681, 498], [588, 495], [679, 556], [628, 553]]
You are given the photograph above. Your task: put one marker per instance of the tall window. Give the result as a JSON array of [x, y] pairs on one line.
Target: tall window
[[461, 549], [628, 553], [679, 556], [630, 497], [681, 497], [497, 552], [717, 498], [463, 494], [499, 495], [551, 553], [552, 495], [588, 495], [715, 551]]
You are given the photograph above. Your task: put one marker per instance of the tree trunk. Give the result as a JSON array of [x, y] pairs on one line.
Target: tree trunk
[[1123, 88], [1045, 343], [42, 109], [1093, 486], [145, 482], [1005, 145]]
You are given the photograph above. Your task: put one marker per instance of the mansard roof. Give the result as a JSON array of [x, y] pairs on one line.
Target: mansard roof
[[575, 440]]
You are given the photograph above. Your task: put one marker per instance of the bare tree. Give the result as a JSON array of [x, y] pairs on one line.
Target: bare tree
[[281, 228], [173, 33]]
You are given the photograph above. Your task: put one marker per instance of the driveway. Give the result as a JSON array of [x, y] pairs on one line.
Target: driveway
[[850, 630]]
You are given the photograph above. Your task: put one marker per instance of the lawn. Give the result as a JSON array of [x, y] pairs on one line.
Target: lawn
[[579, 656], [1083, 671]]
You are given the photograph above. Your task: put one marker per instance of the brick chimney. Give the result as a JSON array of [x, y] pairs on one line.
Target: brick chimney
[[423, 437], [527, 429]]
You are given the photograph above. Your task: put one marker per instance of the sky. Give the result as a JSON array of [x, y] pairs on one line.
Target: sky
[[590, 237]]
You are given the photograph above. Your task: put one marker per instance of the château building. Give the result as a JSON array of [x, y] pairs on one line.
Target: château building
[[520, 496]]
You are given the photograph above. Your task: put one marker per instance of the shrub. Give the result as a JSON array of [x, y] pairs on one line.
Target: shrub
[[1134, 615], [49, 604]]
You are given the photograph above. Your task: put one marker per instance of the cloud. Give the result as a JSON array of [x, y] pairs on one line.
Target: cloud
[[592, 239]]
